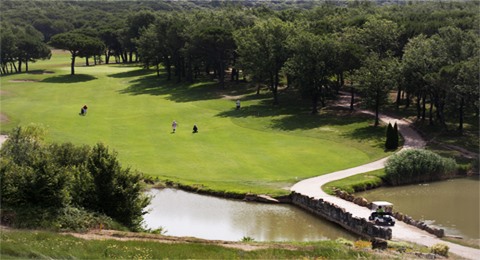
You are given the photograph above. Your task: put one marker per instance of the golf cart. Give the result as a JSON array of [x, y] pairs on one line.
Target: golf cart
[[382, 213]]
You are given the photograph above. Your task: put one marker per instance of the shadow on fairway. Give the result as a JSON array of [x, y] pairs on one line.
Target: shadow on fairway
[[69, 78], [179, 92], [366, 134], [132, 73], [294, 117], [40, 72]]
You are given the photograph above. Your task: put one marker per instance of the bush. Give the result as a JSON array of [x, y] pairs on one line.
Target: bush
[[439, 249], [417, 165], [48, 179]]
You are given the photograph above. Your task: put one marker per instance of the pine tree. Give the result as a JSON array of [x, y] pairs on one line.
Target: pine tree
[[395, 136], [389, 137]]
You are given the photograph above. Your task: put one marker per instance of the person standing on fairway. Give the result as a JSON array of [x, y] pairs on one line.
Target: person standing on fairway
[[174, 126], [238, 104]]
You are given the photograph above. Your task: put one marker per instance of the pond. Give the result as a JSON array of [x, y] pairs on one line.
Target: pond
[[188, 214], [452, 205]]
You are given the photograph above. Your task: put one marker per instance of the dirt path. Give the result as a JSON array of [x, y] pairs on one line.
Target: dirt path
[[401, 231]]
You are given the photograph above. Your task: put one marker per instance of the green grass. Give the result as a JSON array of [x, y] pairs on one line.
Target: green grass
[[260, 149], [355, 183], [42, 245]]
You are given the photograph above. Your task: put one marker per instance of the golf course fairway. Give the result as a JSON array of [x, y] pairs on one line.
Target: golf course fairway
[[260, 148]]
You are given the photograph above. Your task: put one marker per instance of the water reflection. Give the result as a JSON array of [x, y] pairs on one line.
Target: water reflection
[[187, 214], [452, 205]]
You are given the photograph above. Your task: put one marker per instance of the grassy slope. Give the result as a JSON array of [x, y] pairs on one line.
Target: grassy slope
[[259, 148], [39, 244]]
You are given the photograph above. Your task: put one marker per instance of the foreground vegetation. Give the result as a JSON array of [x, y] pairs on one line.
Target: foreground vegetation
[[39, 244], [66, 187]]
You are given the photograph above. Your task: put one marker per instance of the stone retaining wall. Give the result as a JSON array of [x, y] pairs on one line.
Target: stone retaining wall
[[397, 215], [338, 215]]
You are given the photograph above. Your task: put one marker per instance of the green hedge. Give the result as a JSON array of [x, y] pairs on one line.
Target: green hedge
[[417, 165]]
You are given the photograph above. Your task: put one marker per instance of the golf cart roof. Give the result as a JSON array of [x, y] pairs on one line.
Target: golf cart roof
[[382, 203]]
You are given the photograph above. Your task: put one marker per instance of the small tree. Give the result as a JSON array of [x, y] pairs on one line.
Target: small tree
[[391, 142], [117, 191], [389, 138], [395, 136]]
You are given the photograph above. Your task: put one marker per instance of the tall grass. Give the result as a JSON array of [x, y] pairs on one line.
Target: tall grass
[[37, 244]]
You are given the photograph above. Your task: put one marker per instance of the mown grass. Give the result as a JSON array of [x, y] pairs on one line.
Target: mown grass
[[356, 183], [260, 148]]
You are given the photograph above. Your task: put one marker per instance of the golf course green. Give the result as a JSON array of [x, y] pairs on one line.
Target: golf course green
[[259, 148]]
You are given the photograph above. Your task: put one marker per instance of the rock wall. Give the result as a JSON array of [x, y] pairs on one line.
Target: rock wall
[[338, 215], [397, 215]]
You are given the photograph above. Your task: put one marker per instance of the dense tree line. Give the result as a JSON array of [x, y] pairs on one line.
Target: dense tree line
[[427, 52], [50, 178]]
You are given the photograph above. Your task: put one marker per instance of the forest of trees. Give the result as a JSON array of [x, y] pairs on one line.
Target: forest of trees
[[427, 52]]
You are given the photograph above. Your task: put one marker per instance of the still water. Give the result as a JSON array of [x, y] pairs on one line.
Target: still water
[[187, 214], [452, 205]]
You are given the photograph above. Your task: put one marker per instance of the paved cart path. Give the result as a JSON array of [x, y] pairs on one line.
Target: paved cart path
[[312, 187]]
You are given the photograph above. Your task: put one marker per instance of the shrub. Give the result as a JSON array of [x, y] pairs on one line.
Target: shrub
[[48, 179], [439, 249], [29, 177], [417, 165]]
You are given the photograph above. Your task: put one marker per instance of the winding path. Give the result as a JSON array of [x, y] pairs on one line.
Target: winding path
[[312, 187]]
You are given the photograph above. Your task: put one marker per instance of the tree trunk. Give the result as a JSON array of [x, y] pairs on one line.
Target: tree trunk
[[399, 98], [352, 97], [221, 75], [72, 66], [168, 67], [86, 61], [424, 108], [19, 65], [275, 89], [407, 100], [377, 107], [189, 69], [13, 67], [107, 56], [315, 103], [430, 113], [460, 115], [419, 108]]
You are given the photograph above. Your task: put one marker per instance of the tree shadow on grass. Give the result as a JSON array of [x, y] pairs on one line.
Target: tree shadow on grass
[[296, 116], [325, 118], [40, 72], [177, 92], [367, 134], [69, 78], [203, 89], [132, 73]]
